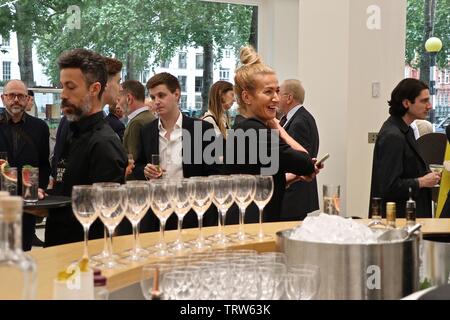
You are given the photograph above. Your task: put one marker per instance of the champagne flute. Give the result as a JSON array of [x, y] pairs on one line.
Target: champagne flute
[[181, 196], [104, 254], [112, 207], [223, 199], [263, 194], [202, 199], [84, 206], [244, 191], [162, 208], [138, 205]]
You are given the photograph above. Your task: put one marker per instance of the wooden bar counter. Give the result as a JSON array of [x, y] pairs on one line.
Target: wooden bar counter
[[53, 260]]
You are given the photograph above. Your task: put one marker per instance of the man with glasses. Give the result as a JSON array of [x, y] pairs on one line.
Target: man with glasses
[[26, 141]]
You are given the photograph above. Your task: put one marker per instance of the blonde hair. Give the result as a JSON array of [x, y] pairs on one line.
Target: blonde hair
[[215, 104], [251, 66], [295, 88]]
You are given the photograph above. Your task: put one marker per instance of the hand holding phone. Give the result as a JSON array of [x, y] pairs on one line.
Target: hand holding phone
[[322, 160]]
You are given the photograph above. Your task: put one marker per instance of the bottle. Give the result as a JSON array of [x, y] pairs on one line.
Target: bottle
[[375, 207], [100, 290], [18, 271], [391, 215], [410, 211]]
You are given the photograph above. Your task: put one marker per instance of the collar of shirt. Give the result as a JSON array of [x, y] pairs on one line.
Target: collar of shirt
[[178, 125], [135, 113], [87, 123], [10, 121], [292, 112]]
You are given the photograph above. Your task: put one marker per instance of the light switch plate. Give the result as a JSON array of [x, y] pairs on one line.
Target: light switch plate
[[375, 89], [373, 137]]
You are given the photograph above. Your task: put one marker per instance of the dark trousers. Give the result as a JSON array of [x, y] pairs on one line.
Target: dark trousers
[[28, 230]]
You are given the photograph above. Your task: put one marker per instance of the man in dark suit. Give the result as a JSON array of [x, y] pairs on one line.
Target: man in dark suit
[[397, 164], [113, 119], [300, 197], [167, 138], [26, 140]]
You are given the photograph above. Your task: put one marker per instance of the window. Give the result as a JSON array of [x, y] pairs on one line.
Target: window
[[183, 102], [182, 60], [6, 42], [227, 54], [447, 76], [165, 64], [6, 70], [198, 102], [182, 80], [198, 84], [224, 74], [199, 61]]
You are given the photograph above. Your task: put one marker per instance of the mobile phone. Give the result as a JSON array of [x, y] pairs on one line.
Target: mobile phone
[[323, 159]]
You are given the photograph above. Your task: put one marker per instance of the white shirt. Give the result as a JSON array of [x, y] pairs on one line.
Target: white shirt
[[413, 125], [291, 113], [171, 150], [135, 113]]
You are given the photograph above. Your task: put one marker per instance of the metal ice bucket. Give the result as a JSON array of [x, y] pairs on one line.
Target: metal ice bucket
[[436, 258], [357, 271]]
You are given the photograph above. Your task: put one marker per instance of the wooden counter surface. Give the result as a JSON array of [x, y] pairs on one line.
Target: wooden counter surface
[[53, 260]]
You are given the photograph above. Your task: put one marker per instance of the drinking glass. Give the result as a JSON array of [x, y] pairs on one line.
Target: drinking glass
[[331, 199], [138, 204], [263, 194], [157, 160], [223, 199], [438, 168], [151, 278], [162, 208], [202, 199], [84, 206], [30, 184], [113, 203], [9, 180], [244, 193], [181, 196], [308, 280], [104, 254]]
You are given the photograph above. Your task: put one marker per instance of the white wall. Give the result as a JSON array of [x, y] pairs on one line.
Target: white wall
[[339, 60]]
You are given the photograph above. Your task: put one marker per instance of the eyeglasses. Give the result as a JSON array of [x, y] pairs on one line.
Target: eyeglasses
[[13, 96]]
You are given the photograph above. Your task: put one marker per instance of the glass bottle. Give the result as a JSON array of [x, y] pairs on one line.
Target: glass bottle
[[375, 209], [391, 215], [410, 211], [18, 271]]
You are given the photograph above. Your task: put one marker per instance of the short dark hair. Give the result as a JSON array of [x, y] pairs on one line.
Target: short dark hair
[[136, 89], [407, 89], [113, 66], [31, 93], [91, 64], [164, 78]]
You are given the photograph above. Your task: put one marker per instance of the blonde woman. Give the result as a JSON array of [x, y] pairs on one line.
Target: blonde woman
[[221, 99], [257, 90]]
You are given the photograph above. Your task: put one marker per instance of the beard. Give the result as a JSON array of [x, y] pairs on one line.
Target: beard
[[75, 113], [16, 109]]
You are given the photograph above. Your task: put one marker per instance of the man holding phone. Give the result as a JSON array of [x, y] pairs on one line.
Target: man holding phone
[[301, 197]]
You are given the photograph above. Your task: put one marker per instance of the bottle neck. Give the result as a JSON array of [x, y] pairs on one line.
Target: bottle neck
[[10, 235]]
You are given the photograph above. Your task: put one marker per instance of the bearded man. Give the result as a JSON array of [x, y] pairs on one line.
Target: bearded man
[[91, 152]]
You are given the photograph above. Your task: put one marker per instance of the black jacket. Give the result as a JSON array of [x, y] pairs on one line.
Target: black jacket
[[116, 125], [91, 153], [149, 144], [396, 166], [32, 149], [301, 197], [290, 160]]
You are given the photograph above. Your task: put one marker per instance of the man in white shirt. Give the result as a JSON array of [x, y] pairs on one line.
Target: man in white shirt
[[170, 137]]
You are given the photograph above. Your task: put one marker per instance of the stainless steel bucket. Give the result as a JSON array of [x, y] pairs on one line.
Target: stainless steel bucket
[[358, 272], [436, 259]]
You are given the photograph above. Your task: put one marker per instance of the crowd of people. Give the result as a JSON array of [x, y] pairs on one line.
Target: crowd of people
[[92, 148]]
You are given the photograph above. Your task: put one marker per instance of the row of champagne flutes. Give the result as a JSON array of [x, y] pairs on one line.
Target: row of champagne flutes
[[111, 202], [230, 275]]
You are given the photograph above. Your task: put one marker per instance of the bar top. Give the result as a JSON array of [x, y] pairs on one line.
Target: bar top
[[50, 261]]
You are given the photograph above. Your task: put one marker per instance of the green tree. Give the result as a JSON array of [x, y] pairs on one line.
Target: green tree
[[426, 18]]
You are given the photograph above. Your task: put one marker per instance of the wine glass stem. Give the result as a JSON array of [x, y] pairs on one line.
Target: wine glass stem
[[261, 233], [110, 245], [223, 216], [105, 241], [138, 242], [220, 225], [86, 236], [180, 227], [241, 221], [200, 229], [162, 230], [136, 239]]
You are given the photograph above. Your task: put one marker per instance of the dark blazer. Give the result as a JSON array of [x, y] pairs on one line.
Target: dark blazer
[[290, 160], [301, 197], [33, 150], [115, 123], [396, 166], [149, 144]]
